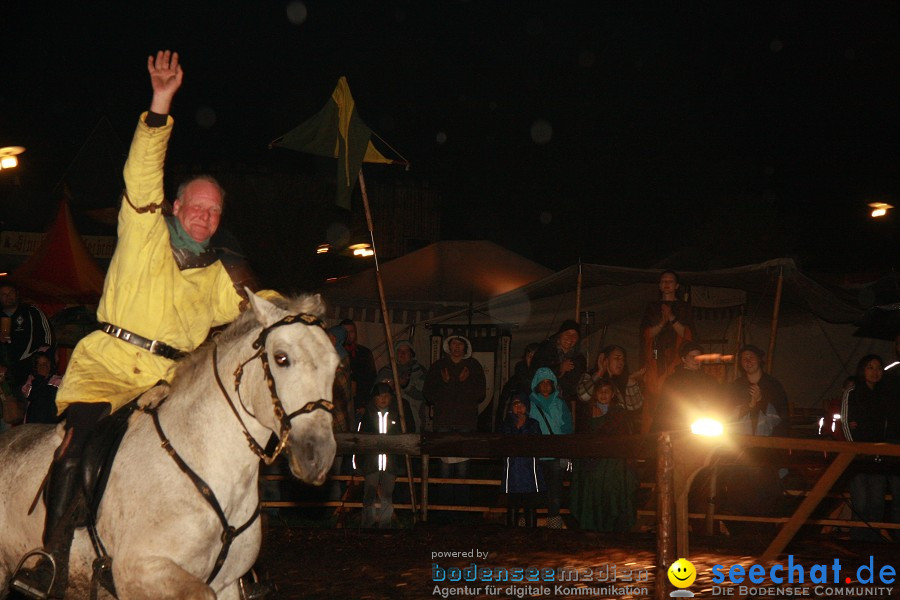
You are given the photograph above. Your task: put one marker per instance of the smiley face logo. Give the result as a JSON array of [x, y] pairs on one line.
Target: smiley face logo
[[682, 573]]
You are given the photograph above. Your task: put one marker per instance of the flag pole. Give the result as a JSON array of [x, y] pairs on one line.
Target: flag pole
[[389, 339]]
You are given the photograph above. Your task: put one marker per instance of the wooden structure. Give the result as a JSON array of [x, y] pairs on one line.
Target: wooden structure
[[679, 457]]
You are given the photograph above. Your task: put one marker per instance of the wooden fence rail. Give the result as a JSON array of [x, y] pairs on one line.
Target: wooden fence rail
[[678, 456]]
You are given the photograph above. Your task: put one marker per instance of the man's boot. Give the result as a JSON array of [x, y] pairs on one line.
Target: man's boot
[[511, 516], [65, 507], [529, 517]]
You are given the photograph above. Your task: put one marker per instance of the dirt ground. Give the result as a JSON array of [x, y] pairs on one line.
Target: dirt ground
[[307, 562]]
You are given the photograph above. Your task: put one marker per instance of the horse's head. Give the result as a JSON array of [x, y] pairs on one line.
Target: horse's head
[[301, 362]]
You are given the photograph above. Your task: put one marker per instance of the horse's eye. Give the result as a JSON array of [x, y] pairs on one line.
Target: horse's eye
[[282, 360]]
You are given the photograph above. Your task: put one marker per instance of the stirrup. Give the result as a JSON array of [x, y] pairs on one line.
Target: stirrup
[[252, 588], [28, 588]]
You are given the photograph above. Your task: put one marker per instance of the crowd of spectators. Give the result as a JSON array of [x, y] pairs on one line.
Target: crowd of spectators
[[552, 390]]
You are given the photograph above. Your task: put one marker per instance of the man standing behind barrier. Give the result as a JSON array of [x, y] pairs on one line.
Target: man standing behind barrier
[[362, 367], [164, 290]]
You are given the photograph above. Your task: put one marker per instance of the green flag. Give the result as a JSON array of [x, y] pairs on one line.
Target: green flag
[[338, 132]]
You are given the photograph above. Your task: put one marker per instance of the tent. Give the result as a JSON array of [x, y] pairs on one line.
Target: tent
[[445, 277], [815, 348], [61, 271], [440, 278]]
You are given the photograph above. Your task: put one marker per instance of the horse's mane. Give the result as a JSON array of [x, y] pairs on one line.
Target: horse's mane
[[192, 365]]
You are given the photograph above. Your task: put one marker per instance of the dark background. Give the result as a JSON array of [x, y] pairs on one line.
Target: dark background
[[686, 134]]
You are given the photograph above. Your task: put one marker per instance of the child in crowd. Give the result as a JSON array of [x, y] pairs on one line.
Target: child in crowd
[[554, 418], [523, 480], [381, 470]]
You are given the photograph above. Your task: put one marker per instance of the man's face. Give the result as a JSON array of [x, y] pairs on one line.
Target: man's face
[[545, 388], [690, 360], [667, 283], [199, 209], [9, 297], [457, 348], [567, 339], [351, 334], [749, 362], [404, 355], [518, 408]]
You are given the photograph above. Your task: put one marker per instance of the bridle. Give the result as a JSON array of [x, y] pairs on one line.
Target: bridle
[[229, 532], [283, 419]]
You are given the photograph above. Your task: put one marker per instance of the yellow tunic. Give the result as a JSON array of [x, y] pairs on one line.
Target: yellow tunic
[[145, 292]]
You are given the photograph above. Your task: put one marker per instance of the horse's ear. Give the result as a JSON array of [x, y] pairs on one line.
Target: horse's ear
[[266, 312]]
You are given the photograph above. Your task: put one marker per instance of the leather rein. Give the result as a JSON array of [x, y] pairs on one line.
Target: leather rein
[[229, 532]]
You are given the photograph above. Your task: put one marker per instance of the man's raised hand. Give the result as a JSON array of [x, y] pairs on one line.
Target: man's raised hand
[[165, 78]]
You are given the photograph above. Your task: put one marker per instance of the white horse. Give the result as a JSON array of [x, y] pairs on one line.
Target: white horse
[[163, 536]]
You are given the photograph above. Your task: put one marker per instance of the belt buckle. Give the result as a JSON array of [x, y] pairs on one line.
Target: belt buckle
[[155, 348]]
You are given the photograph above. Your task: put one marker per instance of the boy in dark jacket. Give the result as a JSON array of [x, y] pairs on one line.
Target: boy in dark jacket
[[522, 479], [381, 470]]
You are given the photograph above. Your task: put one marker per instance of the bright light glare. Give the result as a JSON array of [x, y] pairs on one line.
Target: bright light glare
[[363, 252], [879, 209], [8, 162], [708, 427], [323, 249]]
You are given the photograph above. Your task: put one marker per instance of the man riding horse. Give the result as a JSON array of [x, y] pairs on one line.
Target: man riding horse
[[164, 290]]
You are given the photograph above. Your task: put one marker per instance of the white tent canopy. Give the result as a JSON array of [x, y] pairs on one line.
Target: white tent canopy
[[815, 347]]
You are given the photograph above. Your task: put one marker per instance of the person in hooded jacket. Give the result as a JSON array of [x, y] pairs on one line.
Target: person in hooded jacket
[[560, 353], [523, 480], [454, 387], [382, 416], [554, 418]]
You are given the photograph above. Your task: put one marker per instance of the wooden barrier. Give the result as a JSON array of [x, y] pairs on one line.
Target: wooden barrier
[[679, 457]]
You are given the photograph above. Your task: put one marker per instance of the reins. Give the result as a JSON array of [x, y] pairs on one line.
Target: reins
[[229, 532]]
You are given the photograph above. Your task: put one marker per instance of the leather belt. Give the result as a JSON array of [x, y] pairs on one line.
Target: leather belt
[[152, 346]]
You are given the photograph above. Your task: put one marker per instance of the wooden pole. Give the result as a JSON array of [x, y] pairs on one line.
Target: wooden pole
[[578, 296], [425, 459], [738, 342], [709, 523], [665, 554], [770, 356], [389, 338]]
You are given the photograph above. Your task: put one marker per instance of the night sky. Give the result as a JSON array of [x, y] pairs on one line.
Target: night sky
[[688, 134]]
